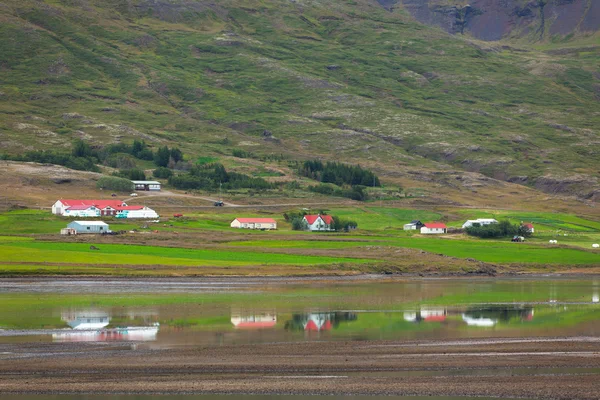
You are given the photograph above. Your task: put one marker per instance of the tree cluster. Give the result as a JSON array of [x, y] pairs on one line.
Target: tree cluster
[[210, 176], [338, 173], [115, 183], [502, 229]]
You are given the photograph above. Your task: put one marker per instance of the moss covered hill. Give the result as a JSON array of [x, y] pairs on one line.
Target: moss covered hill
[[344, 80]]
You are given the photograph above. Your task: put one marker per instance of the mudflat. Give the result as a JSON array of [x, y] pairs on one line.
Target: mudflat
[[549, 368]]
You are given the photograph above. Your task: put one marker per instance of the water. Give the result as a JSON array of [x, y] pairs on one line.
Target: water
[[176, 313]]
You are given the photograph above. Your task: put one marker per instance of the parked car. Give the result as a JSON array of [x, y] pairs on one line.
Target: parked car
[[219, 203], [114, 195], [178, 215], [133, 194]]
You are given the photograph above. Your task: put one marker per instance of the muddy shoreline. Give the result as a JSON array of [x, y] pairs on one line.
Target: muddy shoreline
[[548, 368]]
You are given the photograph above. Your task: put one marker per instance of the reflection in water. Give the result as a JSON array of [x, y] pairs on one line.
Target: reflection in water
[[427, 315], [491, 315], [91, 326], [253, 320], [319, 321]]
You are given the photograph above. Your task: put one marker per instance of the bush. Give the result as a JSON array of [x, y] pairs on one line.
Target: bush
[[133, 174], [115, 183], [162, 172], [344, 225], [502, 229], [299, 224]]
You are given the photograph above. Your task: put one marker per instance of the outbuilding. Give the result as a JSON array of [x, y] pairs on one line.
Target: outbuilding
[[481, 221], [413, 225], [89, 227], [146, 185], [136, 212], [528, 227], [254, 223], [434, 228]]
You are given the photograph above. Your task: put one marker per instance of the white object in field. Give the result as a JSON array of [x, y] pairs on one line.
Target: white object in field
[[596, 245]]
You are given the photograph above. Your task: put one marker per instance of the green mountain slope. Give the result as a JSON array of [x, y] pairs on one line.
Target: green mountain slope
[[349, 81]]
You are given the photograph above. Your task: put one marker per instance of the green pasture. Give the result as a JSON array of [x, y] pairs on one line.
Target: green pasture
[[115, 254]]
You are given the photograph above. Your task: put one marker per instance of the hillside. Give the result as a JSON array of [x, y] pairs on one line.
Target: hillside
[[347, 81]]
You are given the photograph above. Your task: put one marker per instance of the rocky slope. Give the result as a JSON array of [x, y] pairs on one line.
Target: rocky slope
[[495, 19]]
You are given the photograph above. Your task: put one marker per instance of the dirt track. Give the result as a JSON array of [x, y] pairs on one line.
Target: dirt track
[[530, 368]]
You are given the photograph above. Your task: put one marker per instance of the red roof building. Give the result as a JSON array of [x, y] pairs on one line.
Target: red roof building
[[434, 228], [254, 223], [319, 222], [106, 207]]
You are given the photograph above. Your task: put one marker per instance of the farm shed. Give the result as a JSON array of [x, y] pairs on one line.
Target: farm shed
[[136, 212], [481, 221], [254, 223], [89, 227], [434, 228], [528, 227], [413, 225], [146, 185], [319, 222], [68, 231]]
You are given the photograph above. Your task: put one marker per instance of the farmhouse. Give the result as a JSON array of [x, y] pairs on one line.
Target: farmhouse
[[88, 227], [136, 212], [528, 227], [480, 221], [319, 222], [82, 208], [413, 225], [434, 228], [254, 223], [146, 185]]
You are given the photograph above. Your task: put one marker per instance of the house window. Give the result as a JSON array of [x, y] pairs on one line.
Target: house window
[[88, 228]]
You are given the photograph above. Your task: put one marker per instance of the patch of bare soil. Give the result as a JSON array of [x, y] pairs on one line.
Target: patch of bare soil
[[437, 368]]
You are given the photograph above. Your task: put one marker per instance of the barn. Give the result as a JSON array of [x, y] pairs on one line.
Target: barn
[[413, 225], [434, 228], [136, 212], [254, 223], [319, 222], [146, 185], [89, 227], [481, 221]]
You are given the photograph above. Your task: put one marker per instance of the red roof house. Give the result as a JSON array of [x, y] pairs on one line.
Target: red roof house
[[434, 228], [319, 222]]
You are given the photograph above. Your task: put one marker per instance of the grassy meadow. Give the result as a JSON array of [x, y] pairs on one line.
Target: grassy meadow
[[202, 243]]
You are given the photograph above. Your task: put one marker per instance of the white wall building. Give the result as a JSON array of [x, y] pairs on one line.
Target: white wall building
[[81, 211], [481, 221], [254, 223], [146, 185], [318, 222], [136, 212], [89, 227], [434, 228]]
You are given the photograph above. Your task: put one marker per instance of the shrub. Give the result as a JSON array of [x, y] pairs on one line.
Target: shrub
[[115, 183], [162, 172], [338, 173], [299, 224], [502, 229]]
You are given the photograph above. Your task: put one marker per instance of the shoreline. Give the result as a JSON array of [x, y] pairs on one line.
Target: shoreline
[[537, 367]]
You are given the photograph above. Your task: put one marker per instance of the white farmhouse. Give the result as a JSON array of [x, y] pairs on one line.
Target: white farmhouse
[[434, 228], [89, 227], [81, 211], [319, 222], [480, 221], [254, 223], [136, 212]]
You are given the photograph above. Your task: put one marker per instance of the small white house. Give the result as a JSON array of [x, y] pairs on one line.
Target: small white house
[[89, 227], [434, 228], [146, 185], [254, 223], [480, 221], [413, 225], [319, 222]]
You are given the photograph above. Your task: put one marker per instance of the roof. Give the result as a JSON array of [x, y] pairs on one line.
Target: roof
[[312, 218], [94, 223], [256, 324], [257, 220], [82, 207], [434, 225], [130, 208], [146, 182], [528, 225], [98, 203], [415, 221]]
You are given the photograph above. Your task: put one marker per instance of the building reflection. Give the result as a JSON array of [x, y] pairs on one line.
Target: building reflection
[[92, 325], [260, 320], [492, 315], [318, 321], [426, 315]]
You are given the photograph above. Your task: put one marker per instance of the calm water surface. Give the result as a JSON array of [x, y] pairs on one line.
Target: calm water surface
[[174, 313]]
